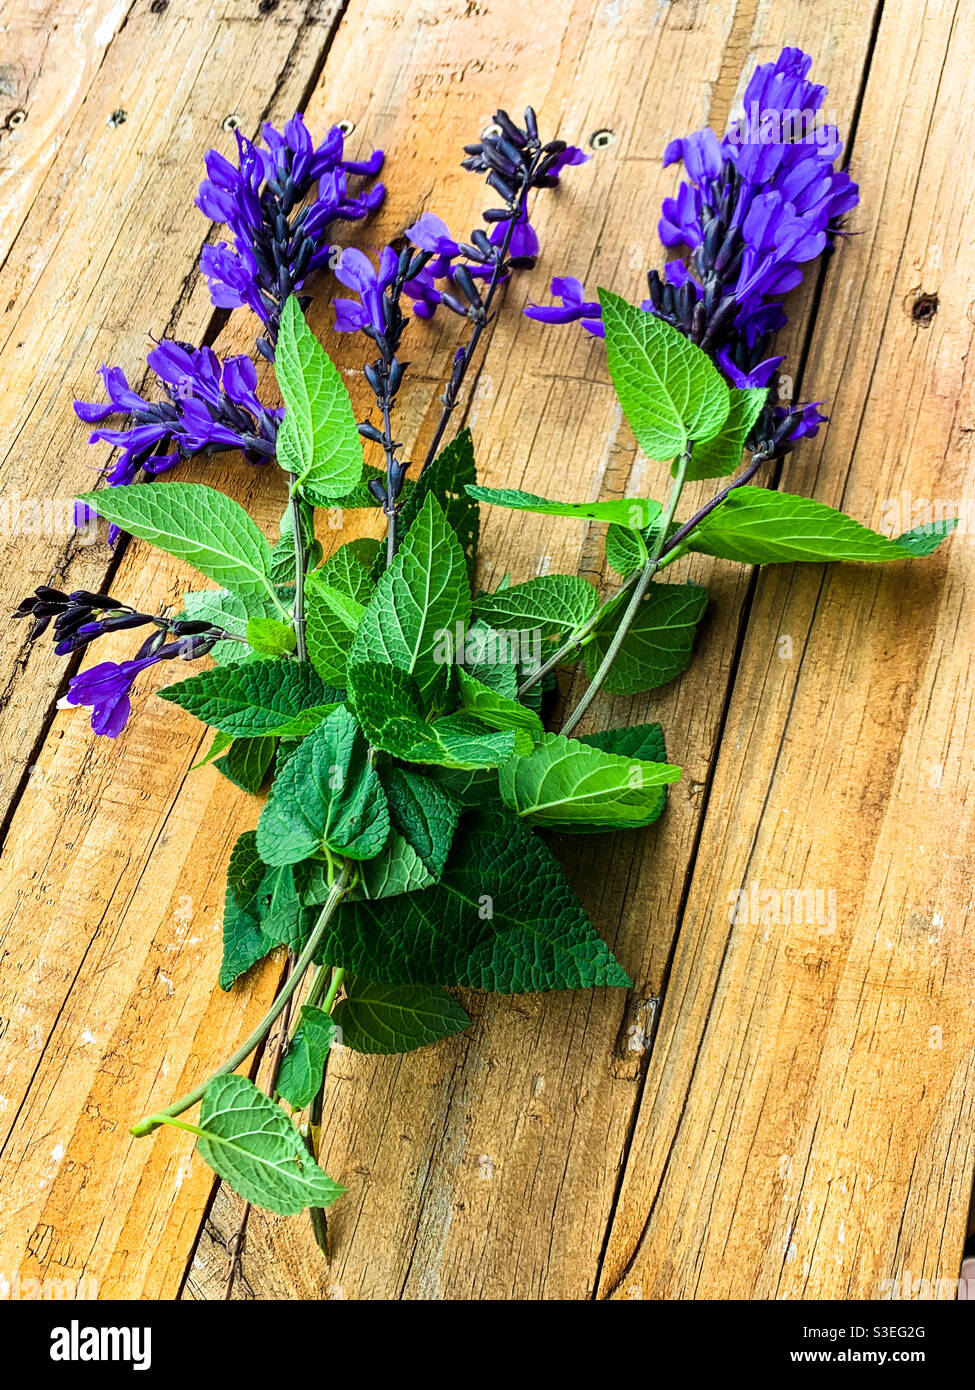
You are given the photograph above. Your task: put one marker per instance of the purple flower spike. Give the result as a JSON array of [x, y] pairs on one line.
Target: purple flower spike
[[356, 271], [210, 406], [276, 242]]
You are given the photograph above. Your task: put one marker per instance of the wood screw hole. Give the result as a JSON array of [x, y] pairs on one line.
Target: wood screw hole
[[230, 122], [118, 117], [601, 139], [15, 119], [923, 309], [346, 126]]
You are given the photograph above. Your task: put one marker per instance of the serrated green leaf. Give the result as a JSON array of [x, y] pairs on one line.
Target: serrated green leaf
[[244, 940], [249, 1142], [760, 526], [269, 637], [499, 711], [387, 704], [421, 597], [257, 698], [503, 917], [423, 812], [633, 512], [446, 479], [925, 539], [348, 568], [399, 869], [331, 621], [247, 761], [658, 645], [715, 457], [327, 796], [283, 550], [303, 1064], [318, 441], [198, 524], [227, 610], [556, 605], [470, 787], [626, 551], [644, 741], [670, 390], [568, 785], [382, 1019], [221, 742]]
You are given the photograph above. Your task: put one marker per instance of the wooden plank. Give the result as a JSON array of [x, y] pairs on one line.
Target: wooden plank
[[90, 929], [105, 257], [487, 1167], [52, 51], [808, 1118]]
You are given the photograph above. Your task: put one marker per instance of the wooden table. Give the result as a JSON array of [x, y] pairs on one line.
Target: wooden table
[[776, 1110]]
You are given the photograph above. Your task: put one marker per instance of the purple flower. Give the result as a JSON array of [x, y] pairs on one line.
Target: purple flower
[[274, 247], [523, 248], [574, 306], [80, 618], [356, 271], [757, 206], [106, 688], [210, 406]]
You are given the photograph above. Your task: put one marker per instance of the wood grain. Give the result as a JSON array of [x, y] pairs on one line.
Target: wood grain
[[490, 1166], [807, 1127]]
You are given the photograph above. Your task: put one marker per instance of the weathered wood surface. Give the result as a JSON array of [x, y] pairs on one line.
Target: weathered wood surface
[[790, 1130]]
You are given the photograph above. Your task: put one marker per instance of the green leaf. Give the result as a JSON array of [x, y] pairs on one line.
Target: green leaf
[[319, 439], [226, 610], [923, 540], [420, 598], [658, 645], [423, 812], [244, 940], [283, 550], [284, 918], [268, 637], [256, 699], [221, 742], [470, 787], [569, 785], [633, 512], [555, 605], [387, 704], [446, 479], [645, 741], [359, 496], [331, 620], [303, 1065], [348, 568], [206, 528], [626, 551], [247, 761], [397, 1018], [503, 917], [399, 869], [499, 711], [759, 526], [670, 390], [249, 1142], [713, 458], [327, 796]]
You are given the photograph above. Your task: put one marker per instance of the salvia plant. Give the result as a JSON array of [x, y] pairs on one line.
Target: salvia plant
[[394, 712]]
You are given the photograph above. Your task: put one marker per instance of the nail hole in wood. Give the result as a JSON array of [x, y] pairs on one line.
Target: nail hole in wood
[[924, 308], [16, 118], [118, 117]]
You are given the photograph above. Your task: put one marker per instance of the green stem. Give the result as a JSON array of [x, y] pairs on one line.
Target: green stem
[[298, 617], [578, 637], [633, 607], [338, 892], [328, 1003]]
